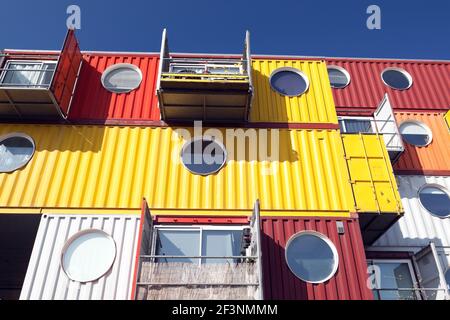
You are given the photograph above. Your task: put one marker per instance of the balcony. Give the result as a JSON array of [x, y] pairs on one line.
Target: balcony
[[37, 85], [207, 262], [208, 89], [383, 122]]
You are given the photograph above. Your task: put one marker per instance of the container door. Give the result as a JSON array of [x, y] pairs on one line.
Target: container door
[[387, 126], [66, 74], [430, 274], [255, 225]]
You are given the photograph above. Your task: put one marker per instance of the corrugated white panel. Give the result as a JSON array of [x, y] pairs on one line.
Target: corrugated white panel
[[46, 280], [417, 227]]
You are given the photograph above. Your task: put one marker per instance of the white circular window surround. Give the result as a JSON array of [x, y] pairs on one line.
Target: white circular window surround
[[16, 150], [311, 257], [289, 82], [416, 133], [339, 77], [435, 199], [397, 78], [203, 155], [121, 78], [88, 255]]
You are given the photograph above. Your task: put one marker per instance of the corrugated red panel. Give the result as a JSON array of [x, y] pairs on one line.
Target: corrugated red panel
[[66, 72], [430, 89], [92, 102], [349, 282], [432, 159]]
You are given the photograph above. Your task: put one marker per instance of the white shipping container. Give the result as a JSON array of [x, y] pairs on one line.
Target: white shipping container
[[111, 241]]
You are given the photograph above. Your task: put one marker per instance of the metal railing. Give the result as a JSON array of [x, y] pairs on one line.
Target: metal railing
[[416, 293], [39, 81]]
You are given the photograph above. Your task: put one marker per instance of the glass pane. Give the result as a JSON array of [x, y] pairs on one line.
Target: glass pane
[[357, 126], [338, 79], [447, 279], [221, 243], [14, 153], [22, 74], [395, 276], [310, 258], [203, 157], [178, 243], [123, 79], [288, 83], [435, 200], [414, 134], [46, 77], [396, 79]]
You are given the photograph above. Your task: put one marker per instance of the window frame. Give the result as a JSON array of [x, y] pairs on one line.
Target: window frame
[[437, 186], [402, 71], [411, 271], [344, 71], [116, 66], [370, 119], [39, 76], [294, 70], [421, 124], [328, 241], [20, 135], [208, 138], [199, 228]]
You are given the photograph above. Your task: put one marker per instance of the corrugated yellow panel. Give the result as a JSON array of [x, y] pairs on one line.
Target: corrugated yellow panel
[[447, 119], [374, 185], [314, 106], [113, 167]]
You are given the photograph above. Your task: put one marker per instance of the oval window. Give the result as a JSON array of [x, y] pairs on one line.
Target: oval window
[[396, 78], [88, 255], [415, 133], [16, 150], [121, 78], [203, 156], [435, 200], [289, 82], [312, 257], [339, 77]]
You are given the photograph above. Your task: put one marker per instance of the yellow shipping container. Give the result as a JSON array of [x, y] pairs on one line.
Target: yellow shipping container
[[372, 178], [316, 105], [447, 119], [85, 167]]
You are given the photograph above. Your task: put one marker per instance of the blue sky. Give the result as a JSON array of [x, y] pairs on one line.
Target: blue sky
[[410, 29]]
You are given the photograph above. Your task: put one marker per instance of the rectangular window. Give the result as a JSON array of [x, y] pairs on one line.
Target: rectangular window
[[197, 243], [394, 280], [356, 125], [33, 74]]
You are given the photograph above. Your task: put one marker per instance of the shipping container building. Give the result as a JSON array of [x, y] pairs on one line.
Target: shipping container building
[[414, 254]]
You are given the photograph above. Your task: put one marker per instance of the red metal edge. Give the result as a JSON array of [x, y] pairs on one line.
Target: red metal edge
[[138, 250], [239, 220], [421, 172]]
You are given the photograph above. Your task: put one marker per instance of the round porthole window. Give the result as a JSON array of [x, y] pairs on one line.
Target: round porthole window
[[121, 78], [339, 77], [16, 150], [289, 82], [415, 133], [396, 78], [435, 200], [88, 255], [312, 257], [203, 156]]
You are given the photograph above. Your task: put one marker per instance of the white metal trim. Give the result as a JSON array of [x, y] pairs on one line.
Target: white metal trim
[[294, 70], [402, 71], [19, 135], [118, 66], [344, 71]]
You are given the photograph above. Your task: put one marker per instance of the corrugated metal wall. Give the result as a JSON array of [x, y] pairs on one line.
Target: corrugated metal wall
[[45, 278], [447, 119], [315, 106], [371, 174], [417, 227], [349, 281], [432, 159], [92, 102], [430, 89], [114, 167]]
